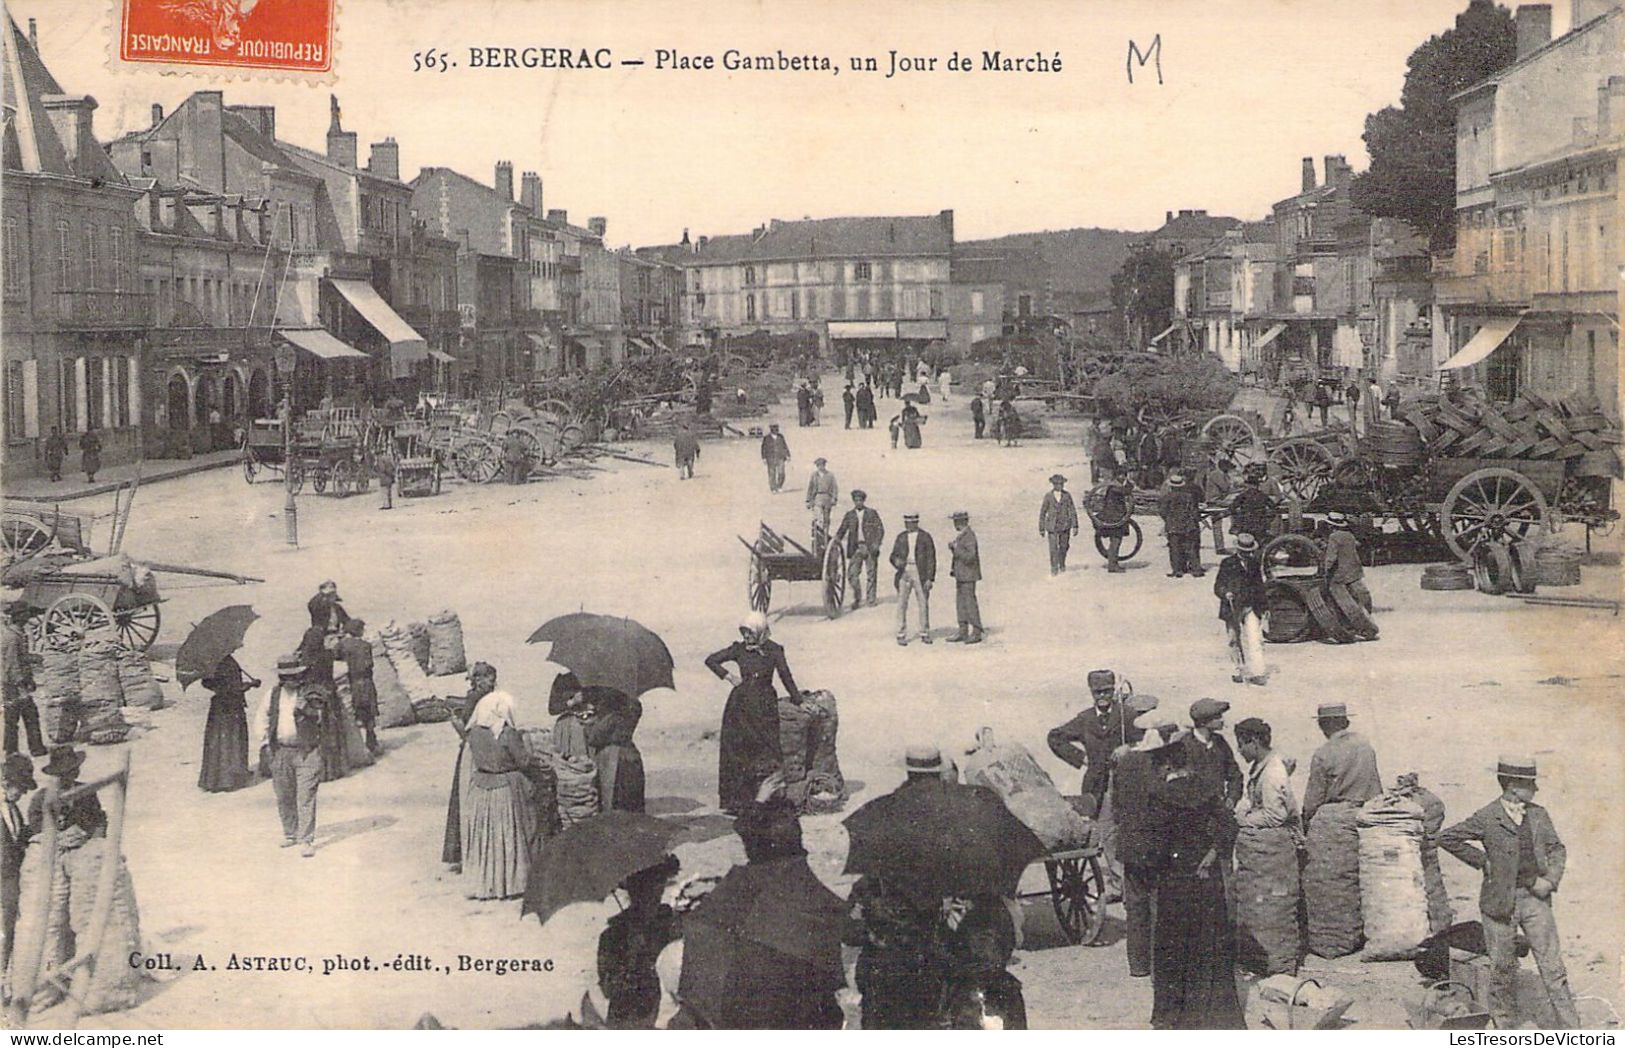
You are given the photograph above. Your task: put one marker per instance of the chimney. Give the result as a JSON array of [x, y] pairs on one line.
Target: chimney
[[218, 215], [341, 144], [946, 217], [1308, 173], [559, 215], [599, 225], [385, 161], [157, 114], [1337, 170], [1608, 105], [503, 180], [1167, 217], [530, 192], [685, 236], [703, 241], [33, 36], [71, 115], [1534, 27], [260, 118]]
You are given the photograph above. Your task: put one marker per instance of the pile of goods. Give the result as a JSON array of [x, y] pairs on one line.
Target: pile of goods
[[81, 689], [1008, 769], [1462, 424], [101, 693], [577, 788], [445, 634], [812, 772], [1393, 894], [1302, 607], [56, 687], [136, 679], [404, 657]]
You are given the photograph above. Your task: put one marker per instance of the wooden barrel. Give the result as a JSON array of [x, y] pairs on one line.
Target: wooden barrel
[[1289, 620]]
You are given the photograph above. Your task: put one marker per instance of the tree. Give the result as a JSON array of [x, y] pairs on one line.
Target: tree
[[1143, 292], [1194, 384], [1413, 147]]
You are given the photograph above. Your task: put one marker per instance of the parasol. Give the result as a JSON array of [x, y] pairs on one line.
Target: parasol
[[590, 859], [211, 640], [608, 651]]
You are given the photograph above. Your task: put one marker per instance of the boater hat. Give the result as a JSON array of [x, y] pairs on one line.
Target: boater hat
[[915, 517], [1337, 520], [287, 665], [923, 760], [1245, 542], [959, 515], [1515, 767], [1176, 479], [1328, 710]]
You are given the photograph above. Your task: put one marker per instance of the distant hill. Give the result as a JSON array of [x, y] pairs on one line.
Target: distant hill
[[1077, 260]]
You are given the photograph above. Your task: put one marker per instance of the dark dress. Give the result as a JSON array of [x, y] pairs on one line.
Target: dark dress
[[1193, 963], [627, 950], [911, 426], [225, 736], [620, 765], [749, 750], [451, 848]]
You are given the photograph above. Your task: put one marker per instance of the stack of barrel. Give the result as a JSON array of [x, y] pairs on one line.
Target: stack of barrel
[[1301, 608]]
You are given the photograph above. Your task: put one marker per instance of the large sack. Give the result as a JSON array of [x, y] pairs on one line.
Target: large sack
[[577, 788], [446, 653], [101, 693], [398, 651], [137, 682], [1269, 938], [1331, 882], [1393, 900], [419, 633], [1440, 914], [56, 693], [1010, 771], [356, 754], [824, 779], [394, 704], [796, 727]]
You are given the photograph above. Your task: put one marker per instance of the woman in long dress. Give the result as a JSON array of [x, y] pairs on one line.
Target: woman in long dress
[[225, 735], [482, 680], [570, 704], [911, 419], [615, 717], [502, 821], [749, 750], [1193, 968]]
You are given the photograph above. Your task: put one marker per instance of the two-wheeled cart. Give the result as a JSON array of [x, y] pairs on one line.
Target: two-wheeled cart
[[775, 557]]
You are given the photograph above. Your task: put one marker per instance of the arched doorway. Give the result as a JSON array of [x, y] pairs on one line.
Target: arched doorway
[[231, 396], [200, 403], [179, 399], [259, 394]]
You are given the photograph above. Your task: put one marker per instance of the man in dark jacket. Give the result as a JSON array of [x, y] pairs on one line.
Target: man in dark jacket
[[327, 608], [1253, 509], [14, 836], [914, 556], [1058, 522], [1087, 741], [1210, 753], [978, 416], [849, 403], [356, 653], [866, 407], [289, 725], [1513, 841], [862, 530], [1182, 524], [90, 453], [775, 452], [966, 569], [56, 451], [1243, 602]]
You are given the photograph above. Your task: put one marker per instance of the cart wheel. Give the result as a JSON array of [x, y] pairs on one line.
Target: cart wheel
[[571, 437], [341, 478], [1076, 891], [1131, 542], [759, 588], [1327, 621], [1232, 437], [138, 627], [1289, 556], [296, 473], [1494, 571], [1353, 617], [318, 479], [1524, 576], [22, 537], [1490, 504], [250, 468], [73, 616], [834, 579], [1303, 465]]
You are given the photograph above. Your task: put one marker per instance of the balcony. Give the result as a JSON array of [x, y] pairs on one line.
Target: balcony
[[103, 310], [1505, 287]]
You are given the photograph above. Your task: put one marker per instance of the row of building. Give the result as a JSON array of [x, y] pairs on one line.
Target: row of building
[[1528, 300]]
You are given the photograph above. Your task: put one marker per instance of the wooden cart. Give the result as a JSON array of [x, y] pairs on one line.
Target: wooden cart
[[775, 557], [70, 604], [1077, 893]]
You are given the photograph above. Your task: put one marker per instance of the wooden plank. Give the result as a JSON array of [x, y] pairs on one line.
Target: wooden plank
[[1545, 449], [1554, 426], [1568, 451], [1521, 446], [1590, 440]]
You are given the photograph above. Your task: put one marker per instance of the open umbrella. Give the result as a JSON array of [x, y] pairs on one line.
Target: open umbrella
[[211, 640], [768, 936], [608, 651], [590, 859], [933, 838]]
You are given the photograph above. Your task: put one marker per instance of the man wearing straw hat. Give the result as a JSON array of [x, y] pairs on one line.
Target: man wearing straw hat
[[1341, 562], [288, 725], [1512, 840], [1342, 776], [1058, 522], [914, 556], [1243, 602]]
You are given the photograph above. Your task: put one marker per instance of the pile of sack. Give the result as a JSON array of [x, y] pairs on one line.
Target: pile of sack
[[56, 691], [446, 653], [577, 788], [812, 771], [136, 679], [1008, 769], [401, 645], [101, 692]]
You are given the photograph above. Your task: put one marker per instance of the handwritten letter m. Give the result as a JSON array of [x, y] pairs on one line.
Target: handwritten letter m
[[1154, 52]]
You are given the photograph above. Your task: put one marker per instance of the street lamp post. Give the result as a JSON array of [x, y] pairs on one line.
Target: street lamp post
[[290, 507]]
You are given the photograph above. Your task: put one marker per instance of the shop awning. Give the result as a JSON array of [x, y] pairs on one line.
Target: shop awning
[[444, 358], [319, 343], [839, 329], [1164, 333], [1270, 336], [927, 329], [1489, 338], [406, 346]]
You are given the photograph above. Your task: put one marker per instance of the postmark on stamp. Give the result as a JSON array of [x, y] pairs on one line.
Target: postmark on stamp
[[294, 36]]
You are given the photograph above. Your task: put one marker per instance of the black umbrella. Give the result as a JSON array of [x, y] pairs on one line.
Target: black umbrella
[[608, 651], [932, 838], [768, 933], [211, 640], [590, 859]]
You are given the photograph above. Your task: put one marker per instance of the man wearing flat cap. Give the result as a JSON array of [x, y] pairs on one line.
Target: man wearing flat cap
[[914, 556], [1512, 840], [1058, 522], [965, 566], [1210, 754], [288, 725], [862, 530], [1342, 776]]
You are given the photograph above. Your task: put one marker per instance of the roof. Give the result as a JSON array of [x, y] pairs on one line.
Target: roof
[[1194, 227], [851, 237], [1573, 34], [234, 127], [313, 157], [31, 142]]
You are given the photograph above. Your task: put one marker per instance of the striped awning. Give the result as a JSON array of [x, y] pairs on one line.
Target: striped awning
[[319, 343]]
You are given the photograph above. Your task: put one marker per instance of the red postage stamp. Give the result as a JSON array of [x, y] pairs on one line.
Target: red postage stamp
[[288, 35]]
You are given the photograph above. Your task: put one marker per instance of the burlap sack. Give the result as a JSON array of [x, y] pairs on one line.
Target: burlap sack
[[1331, 882], [1009, 770], [394, 704], [1393, 899], [446, 654], [101, 694], [56, 693], [135, 678]]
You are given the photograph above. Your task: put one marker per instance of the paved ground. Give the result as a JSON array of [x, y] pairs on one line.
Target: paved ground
[[1456, 678]]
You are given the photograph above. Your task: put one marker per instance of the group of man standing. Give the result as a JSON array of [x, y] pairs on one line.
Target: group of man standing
[[913, 559]]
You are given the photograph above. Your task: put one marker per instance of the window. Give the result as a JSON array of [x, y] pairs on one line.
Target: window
[[67, 395], [795, 306], [978, 303], [750, 275], [936, 302], [14, 395], [64, 257], [750, 307], [812, 304], [115, 252], [90, 256], [862, 271], [14, 273], [121, 390]]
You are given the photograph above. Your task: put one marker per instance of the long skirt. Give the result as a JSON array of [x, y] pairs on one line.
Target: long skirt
[[498, 835], [749, 750], [1193, 964], [225, 745], [911, 434], [115, 985], [335, 757], [570, 736], [620, 777], [1269, 939], [1331, 882], [451, 848]]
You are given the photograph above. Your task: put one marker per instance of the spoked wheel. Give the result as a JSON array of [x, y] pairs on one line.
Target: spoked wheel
[[1291, 556], [758, 587], [1490, 505], [342, 471], [1231, 437], [21, 537], [73, 616], [571, 437], [251, 468], [1302, 467], [476, 461], [549, 438], [318, 479], [834, 579], [532, 443], [297, 472], [1076, 891], [138, 626], [1131, 542]]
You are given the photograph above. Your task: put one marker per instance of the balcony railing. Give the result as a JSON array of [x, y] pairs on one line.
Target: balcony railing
[[1505, 286], [103, 309]]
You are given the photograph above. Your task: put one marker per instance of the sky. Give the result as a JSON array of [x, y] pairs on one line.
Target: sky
[[1248, 88]]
